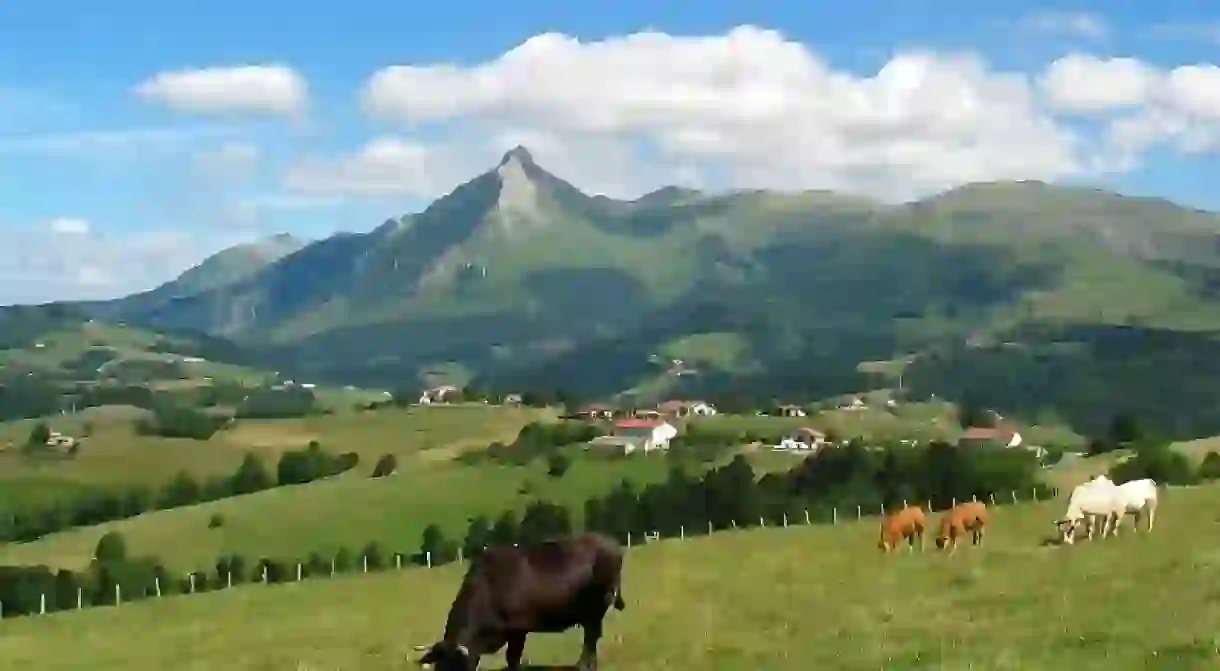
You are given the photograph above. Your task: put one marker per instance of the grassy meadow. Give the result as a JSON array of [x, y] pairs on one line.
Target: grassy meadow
[[798, 598], [353, 509]]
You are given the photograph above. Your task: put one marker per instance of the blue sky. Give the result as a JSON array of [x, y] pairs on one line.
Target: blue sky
[[138, 137]]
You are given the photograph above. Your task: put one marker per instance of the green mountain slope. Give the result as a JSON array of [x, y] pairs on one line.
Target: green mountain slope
[[520, 279]]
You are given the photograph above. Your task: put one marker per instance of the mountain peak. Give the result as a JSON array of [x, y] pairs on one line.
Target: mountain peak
[[519, 154]]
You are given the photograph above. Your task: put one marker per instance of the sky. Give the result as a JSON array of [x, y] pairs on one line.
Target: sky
[[138, 137]]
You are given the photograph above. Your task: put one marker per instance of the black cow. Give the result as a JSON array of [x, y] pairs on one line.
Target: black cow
[[509, 593]]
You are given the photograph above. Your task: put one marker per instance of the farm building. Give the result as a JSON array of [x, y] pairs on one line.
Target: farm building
[[687, 409], [803, 439], [640, 435]]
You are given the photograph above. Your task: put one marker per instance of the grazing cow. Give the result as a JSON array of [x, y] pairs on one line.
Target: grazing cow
[[1135, 498], [970, 516], [509, 592], [1094, 502], [907, 523]]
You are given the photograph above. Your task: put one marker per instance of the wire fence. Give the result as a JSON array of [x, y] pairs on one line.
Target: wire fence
[[196, 582]]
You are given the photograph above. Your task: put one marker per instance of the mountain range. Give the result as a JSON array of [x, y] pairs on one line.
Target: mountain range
[[518, 279]]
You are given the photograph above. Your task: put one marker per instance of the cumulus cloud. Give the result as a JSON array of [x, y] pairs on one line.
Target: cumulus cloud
[[67, 259], [386, 166], [270, 90], [747, 108], [1144, 105]]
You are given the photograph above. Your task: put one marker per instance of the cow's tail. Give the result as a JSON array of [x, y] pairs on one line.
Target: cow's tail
[[619, 604]]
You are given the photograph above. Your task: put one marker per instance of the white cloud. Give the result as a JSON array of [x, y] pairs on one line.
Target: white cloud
[[67, 259], [272, 90], [69, 226], [1074, 24], [386, 166], [1180, 106], [748, 108]]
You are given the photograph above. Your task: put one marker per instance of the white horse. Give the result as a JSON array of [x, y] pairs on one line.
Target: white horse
[[1136, 498]]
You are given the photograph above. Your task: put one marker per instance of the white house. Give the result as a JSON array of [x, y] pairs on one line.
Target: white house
[[791, 411], [687, 409], [436, 394], [644, 434], [804, 439]]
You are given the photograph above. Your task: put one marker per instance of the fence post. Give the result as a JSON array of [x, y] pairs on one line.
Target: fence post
[[298, 572], [332, 566], [80, 598], [1014, 497], [761, 523], [42, 603], [954, 503], [157, 584], [785, 520], [734, 523], [118, 594], [807, 517], [398, 560], [365, 562], [974, 498], [904, 503], [264, 574], [1035, 491], [834, 515], [459, 556], [628, 539], [681, 533], [1, 610], [230, 580], [709, 527], [929, 502], [428, 558], [859, 513], [192, 579], [991, 495]]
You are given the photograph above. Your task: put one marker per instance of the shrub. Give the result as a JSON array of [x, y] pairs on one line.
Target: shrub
[[216, 521], [557, 464], [1159, 462], [386, 465], [1210, 468], [111, 547]]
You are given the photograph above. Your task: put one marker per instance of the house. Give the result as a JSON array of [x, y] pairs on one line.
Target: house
[[436, 394], [687, 409], [595, 411], [645, 435], [854, 403], [57, 439], [1000, 435], [790, 411], [512, 400], [647, 414], [802, 440]]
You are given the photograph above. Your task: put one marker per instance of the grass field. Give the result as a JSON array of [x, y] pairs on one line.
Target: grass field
[[113, 454], [798, 598]]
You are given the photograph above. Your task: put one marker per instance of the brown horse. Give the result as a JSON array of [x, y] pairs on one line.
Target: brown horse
[[964, 517], [907, 523]]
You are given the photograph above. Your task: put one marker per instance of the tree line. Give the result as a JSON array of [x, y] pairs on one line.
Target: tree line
[[855, 476], [252, 475]]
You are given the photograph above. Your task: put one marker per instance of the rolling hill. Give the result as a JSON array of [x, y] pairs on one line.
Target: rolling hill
[[517, 279]]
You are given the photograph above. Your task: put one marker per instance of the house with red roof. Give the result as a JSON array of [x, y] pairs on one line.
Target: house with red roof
[[644, 434]]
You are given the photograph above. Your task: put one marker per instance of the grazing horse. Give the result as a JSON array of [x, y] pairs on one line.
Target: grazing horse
[[510, 592], [970, 517], [907, 523]]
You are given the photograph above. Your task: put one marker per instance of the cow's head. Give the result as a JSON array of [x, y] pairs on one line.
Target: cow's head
[[941, 542], [446, 656]]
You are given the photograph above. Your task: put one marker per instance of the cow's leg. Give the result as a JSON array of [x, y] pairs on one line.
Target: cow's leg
[[588, 652], [516, 648], [1151, 513]]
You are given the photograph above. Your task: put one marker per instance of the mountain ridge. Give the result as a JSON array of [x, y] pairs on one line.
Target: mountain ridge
[[517, 276]]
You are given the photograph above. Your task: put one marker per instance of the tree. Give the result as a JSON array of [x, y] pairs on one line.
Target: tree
[[478, 537], [343, 560], [386, 465], [39, 435], [251, 476], [373, 555], [111, 548], [544, 520], [433, 543], [506, 530], [557, 464], [1125, 430], [1210, 468], [183, 490]]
